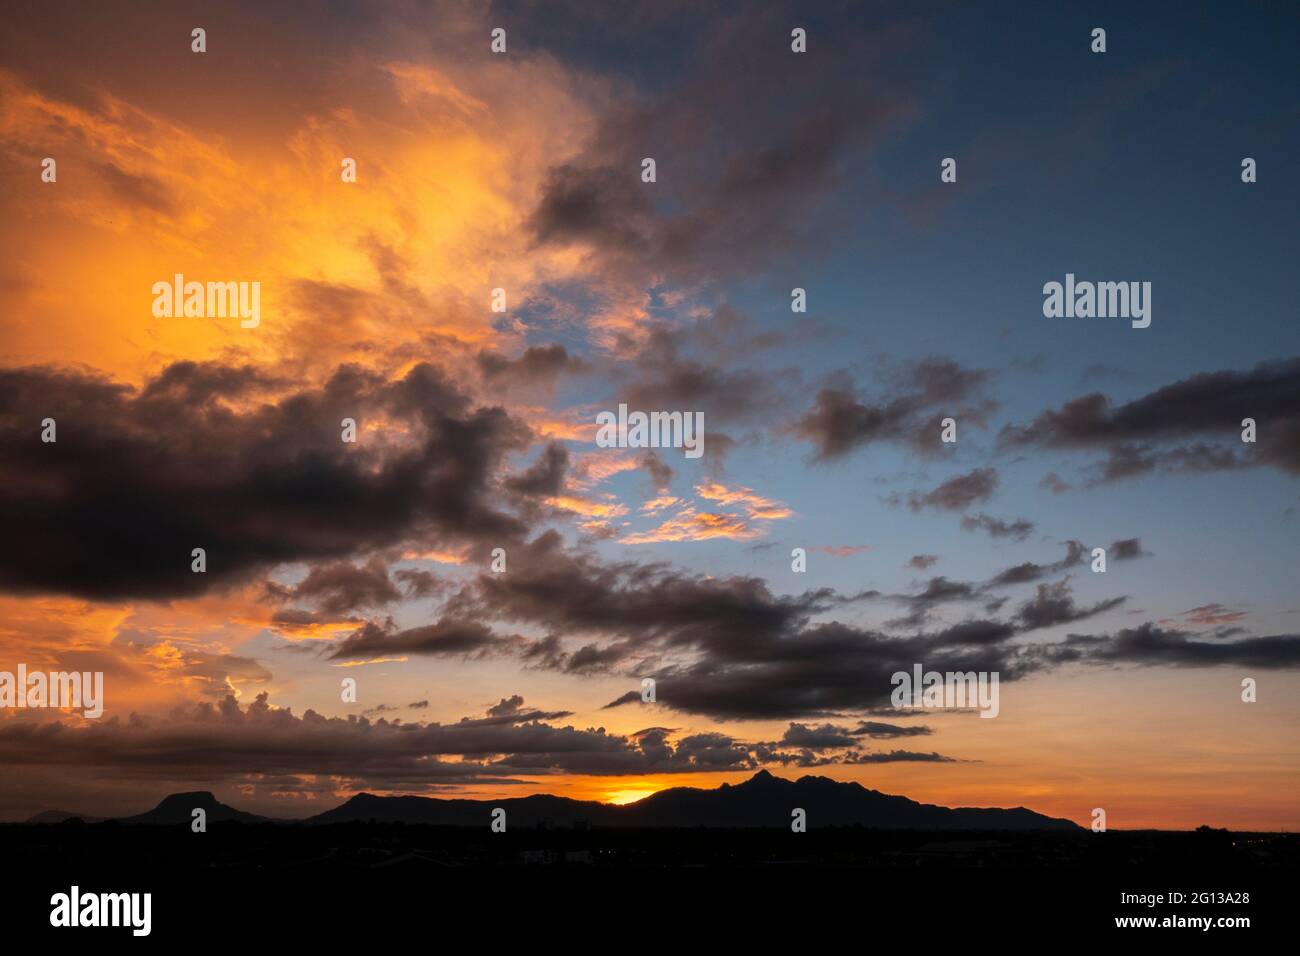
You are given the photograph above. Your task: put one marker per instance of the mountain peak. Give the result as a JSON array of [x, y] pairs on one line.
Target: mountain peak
[[193, 798], [62, 816], [179, 808]]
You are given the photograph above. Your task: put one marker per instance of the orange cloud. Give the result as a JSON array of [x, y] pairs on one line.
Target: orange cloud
[[692, 525], [357, 271], [588, 507], [755, 505], [376, 660]]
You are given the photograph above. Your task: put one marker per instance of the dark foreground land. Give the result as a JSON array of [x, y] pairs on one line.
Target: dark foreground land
[[337, 881]]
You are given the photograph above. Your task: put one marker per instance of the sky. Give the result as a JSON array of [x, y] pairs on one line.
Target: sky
[[775, 170]]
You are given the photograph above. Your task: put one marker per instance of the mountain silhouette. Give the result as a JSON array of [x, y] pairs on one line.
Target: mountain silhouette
[[61, 816], [763, 800], [180, 807], [523, 811]]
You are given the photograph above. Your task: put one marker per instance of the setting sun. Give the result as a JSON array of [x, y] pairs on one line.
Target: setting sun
[[622, 797]]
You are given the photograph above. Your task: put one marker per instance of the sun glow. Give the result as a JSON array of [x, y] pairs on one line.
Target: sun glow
[[622, 797]]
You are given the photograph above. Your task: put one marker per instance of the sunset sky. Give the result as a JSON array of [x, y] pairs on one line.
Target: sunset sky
[[775, 170]]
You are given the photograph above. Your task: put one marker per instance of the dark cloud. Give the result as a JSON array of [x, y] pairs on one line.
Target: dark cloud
[[822, 670], [937, 591], [823, 737], [1150, 644], [419, 584], [545, 476], [631, 697], [1053, 604], [900, 756], [446, 638], [1029, 571], [1018, 528], [1159, 430], [824, 744], [922, 562], [511, 710], [137, 479], [538, 365], [922, 395], [1132, 460], [1125, 549], [598, 205], [973, 632], [573, 593], [507, 705], [880, 731], [958, 492], [727, 647], [839, 423], [660, 472], [721, 646], [738, 189], [340, 587], [227, 742], [770, 753]]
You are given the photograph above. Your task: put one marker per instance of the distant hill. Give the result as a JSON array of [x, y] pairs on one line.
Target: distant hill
[[61, 816], [761, 801], [179, 808], [520, 811], [766, 800]]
